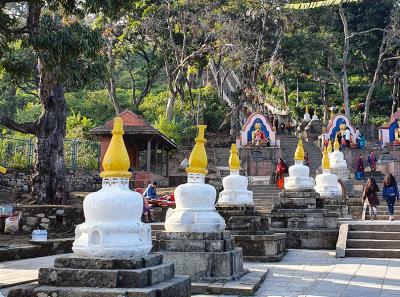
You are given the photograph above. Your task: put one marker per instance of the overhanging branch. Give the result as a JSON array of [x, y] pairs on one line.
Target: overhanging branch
[[28, 128]]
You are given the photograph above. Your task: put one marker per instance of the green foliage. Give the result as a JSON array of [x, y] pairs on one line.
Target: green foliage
[[78, 126], [179, 129]]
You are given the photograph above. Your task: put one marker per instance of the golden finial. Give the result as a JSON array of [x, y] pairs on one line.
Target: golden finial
[[329, 148], [3, 170], [234, 162], [325, 160], [332, 113], [299, 154], [116, 160], [198, 157], [336, 145], [307, 111]]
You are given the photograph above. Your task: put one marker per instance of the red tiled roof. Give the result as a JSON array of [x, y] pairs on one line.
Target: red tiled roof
[[133, 125]]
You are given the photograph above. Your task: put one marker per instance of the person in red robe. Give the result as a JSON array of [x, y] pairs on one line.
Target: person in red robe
[[281, 169]]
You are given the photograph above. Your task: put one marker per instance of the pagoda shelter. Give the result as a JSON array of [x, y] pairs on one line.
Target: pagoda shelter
[[148, 148]]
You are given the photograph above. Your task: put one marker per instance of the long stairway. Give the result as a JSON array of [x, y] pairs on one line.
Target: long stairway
[[263, 195], [373, 239], [289, 145]]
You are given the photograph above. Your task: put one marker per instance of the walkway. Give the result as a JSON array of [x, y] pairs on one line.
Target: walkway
[[305, 273]]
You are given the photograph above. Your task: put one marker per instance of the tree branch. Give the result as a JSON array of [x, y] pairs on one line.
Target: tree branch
[[392, 58], [28, 128], [365, 32]]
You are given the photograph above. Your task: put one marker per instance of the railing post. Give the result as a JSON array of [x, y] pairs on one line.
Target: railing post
[[30, 154]]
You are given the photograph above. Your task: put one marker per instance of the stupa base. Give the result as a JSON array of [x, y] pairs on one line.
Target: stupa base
[[235, 198], [296, 183], [194, 221], [251, 232], [100, 277], [206, 257]]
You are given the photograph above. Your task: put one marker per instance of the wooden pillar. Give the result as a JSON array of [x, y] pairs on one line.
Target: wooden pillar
[[148, 159], [162, 161], [167, 165], [156, 158]]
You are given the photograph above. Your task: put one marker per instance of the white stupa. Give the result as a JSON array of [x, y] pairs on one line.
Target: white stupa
[[195, 201], [326, 184], [299, 174], [336, 158], [235, 186], [307, 116], [315, 116], [113, 227]]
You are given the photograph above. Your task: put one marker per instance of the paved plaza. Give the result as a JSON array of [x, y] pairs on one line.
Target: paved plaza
[[301, 273]]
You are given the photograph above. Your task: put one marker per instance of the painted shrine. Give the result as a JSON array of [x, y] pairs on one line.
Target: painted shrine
[[257, 131], [337, 124], [390, 132]]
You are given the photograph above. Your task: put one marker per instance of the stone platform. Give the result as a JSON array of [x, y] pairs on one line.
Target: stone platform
[[100, 277], [207, 257], [304, 217], [251, 232]]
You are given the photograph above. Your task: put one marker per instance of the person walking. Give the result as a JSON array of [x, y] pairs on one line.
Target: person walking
[[360, 168], [370, 198], [390, 193], [358, 136], [307, 158], [281, 169], [372, 161], [347, 137]]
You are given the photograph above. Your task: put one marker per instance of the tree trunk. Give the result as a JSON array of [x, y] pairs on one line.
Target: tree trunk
[[49, 184], [346, 48], [396, 89], [111, 87], [234, 121], [382, 52], [170, 106]]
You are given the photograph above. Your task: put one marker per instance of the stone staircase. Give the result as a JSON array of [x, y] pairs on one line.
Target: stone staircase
[[369, 239], [355, 204], [263, 195], [289, 145]]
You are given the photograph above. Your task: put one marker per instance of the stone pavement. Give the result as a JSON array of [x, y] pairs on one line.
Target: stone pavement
[[315, 273], [301, 273]]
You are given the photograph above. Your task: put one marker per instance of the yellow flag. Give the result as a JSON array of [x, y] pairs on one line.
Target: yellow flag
[[310, 5]]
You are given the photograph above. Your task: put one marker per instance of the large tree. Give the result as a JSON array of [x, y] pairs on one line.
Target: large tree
[[65, 52]]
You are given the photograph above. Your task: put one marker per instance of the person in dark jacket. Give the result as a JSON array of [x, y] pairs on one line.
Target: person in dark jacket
[[360, 168], [370, 197], [390, 194]]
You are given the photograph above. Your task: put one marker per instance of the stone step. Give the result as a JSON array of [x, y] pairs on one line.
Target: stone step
[[373, 244], [106, 278], [375, 227], [373, 253], [178, 286], [373, 235]]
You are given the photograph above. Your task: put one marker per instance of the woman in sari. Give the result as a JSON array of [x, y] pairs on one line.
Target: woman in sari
[[281, 169]]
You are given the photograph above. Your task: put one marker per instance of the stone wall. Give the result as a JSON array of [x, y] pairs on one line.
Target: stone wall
[[55, 219], [80, 180]]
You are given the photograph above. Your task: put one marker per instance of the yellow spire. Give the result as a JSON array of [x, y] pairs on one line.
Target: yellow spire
[[3, 170], [234, 162], [116, 160], [307, 111], [332, 114], [336, 145], [299, 154], [198, 157], [329, 148], [325, 160]]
